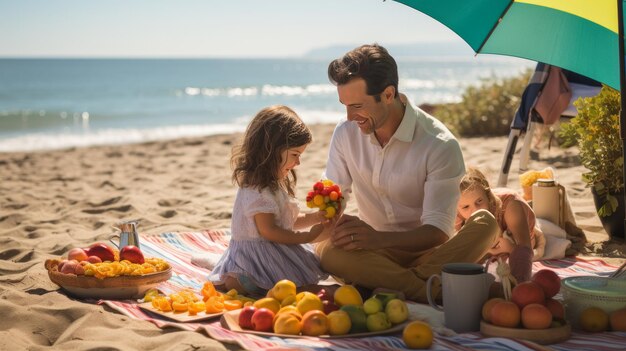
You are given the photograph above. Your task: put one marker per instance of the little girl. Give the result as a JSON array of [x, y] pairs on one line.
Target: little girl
[[514, 216], [264, 247]]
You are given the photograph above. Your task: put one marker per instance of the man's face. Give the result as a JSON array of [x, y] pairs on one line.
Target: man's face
[[361, 108]]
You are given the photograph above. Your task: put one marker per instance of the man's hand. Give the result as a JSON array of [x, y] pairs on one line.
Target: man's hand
[[351, 233]]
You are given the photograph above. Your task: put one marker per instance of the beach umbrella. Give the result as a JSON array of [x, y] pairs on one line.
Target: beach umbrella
[[582, 36]]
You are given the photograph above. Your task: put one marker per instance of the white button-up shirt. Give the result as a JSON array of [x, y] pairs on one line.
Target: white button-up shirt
[[412, 181]]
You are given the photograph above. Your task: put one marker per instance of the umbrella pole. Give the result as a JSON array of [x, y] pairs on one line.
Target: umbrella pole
[[622, 85]]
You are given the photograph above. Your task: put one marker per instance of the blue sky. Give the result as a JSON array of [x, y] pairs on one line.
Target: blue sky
[[205, 28]]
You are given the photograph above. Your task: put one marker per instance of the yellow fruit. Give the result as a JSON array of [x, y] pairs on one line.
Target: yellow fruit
[[330, 212], [339, 322], [290, 308], [308, 302], [284, 289], [418, 335], [287, 323], [594, 319], [289, 301], [269, 303], [318, 200], [347, 295], [328, 182]]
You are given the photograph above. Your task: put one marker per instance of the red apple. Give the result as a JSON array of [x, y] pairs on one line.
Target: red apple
[[94, 259], [101, 250], [132, 254], [77, 254], [549, 282], [526, 293], [245, 317], [263, 320]]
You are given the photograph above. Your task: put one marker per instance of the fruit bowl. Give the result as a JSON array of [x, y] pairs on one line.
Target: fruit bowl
[[119, 287], [540, 336], [579, 293]]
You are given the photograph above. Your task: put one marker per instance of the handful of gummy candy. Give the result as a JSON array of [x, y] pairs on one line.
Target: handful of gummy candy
[[326, 195]]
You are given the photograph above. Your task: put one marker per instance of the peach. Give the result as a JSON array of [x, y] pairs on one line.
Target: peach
[[262, 320], [617, 320], [549, 282], [314, 323], [94, 259], [77, 254], [486, 312], [526, 293], [69, 267], [556, 308], [536, 316], [505, 314]]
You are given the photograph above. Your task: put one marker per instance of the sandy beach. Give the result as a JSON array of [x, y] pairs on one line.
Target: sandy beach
[[53, 201]]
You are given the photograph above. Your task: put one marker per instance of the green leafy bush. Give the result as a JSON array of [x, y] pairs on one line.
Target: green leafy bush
[[595, 131], [485, 110]]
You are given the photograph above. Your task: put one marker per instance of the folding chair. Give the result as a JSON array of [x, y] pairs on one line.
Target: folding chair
[[526, 118]]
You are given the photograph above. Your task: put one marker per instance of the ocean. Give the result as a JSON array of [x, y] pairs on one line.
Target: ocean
[[61, 103]]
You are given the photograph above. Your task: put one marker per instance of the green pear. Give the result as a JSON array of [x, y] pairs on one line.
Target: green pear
[[372, 305], [377, 322], [397, 311], [385, 297]]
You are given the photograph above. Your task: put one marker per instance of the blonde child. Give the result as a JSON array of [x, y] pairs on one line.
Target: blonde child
[[514, 216], [264, 247]]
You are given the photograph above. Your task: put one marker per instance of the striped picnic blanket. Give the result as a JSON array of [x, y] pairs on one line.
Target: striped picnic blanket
[[177, 249]]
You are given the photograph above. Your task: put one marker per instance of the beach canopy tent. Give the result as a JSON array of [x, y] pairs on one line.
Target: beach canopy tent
[[583, 36], [526, 117]]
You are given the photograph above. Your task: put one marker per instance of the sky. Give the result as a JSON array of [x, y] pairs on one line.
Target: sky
[[206, 28]]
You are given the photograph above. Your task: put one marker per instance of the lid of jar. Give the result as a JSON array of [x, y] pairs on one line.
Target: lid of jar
[[546, 182]]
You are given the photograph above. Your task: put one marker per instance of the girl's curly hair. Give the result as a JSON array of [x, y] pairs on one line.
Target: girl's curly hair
[[256, 161]]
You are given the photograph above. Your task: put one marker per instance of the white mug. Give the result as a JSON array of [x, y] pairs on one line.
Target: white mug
[[465, 288]]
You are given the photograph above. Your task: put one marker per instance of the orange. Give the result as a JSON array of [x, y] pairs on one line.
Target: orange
[[314, 323], [594, 319], [618, 320], [347, 295], [339, 322], [488, 306], [418, 335]]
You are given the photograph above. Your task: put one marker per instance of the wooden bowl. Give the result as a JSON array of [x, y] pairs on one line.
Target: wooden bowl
[[539, 336], [121, 287]]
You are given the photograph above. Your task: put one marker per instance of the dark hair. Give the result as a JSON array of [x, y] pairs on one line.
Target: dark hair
[[256, 160], [372, 63]]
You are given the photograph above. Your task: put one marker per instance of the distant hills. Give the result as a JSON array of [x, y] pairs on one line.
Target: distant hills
[[434, 49]]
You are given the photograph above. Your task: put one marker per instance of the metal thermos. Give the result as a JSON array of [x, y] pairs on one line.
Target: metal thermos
[[128, 234]]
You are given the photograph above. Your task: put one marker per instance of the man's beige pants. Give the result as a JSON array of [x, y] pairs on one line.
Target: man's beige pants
[[407, 271]]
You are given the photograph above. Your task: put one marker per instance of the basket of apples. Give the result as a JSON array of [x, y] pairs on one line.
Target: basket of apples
[[326, 196], [100, 271]]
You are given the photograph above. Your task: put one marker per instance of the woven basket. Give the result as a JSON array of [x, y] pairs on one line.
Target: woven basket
[[580, 293]]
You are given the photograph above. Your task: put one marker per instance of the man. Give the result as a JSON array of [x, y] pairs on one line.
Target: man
[[403, 168]]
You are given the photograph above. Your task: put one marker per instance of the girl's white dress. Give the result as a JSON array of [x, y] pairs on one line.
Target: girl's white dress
[[262, 261]]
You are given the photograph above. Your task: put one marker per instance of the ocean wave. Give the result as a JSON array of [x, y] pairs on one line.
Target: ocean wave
[[116, 136]]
